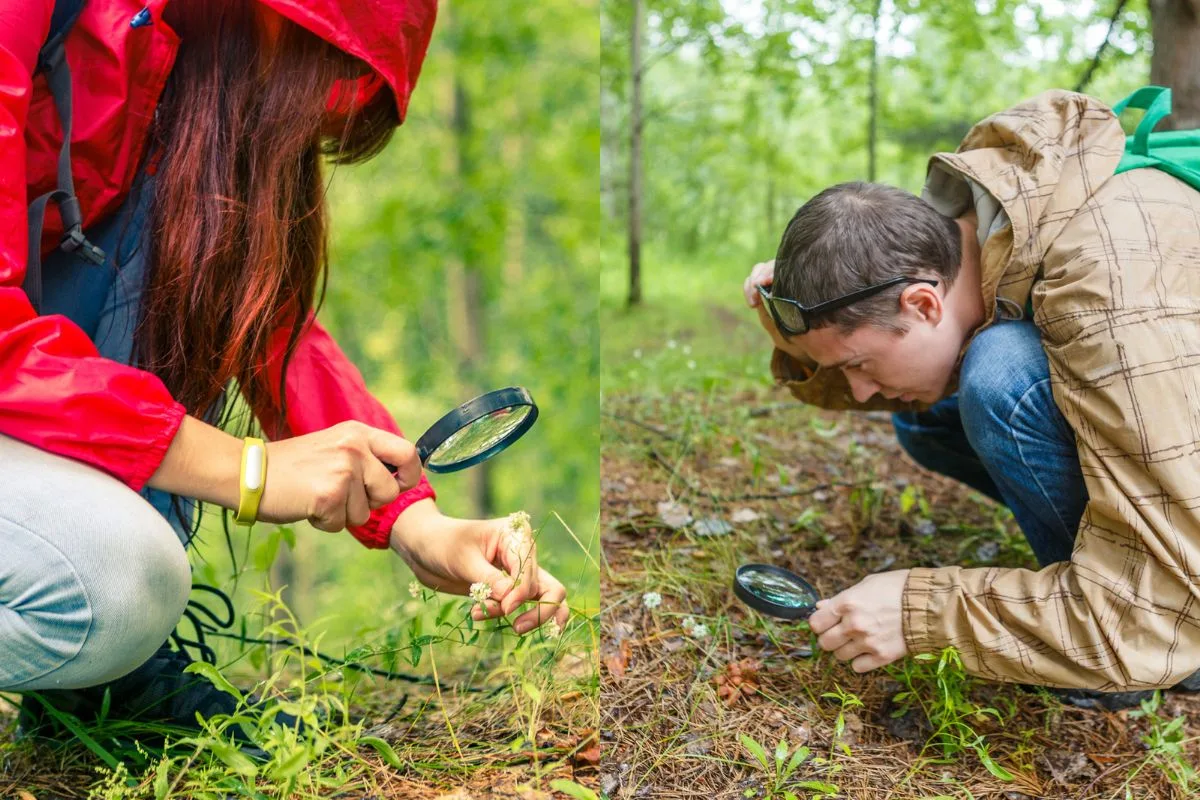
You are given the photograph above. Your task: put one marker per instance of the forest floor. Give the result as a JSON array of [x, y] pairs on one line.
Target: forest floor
[[509, 719], [699, 480]]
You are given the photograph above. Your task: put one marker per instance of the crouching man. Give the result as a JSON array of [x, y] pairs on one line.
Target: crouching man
[[1034, 322]]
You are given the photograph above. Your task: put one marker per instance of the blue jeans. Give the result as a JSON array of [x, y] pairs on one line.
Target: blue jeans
[[1002, 435]]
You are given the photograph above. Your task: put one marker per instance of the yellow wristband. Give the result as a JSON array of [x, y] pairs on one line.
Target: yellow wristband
[[250, 483]]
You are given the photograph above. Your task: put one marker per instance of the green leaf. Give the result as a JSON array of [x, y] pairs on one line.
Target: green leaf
[[990, 765], [573, 789], [756, 750], [535, 694], [162, 775], [798, 758], [214, 677], [233, 758], [781, 753], [818, 786], [384, 749], [292, 765]]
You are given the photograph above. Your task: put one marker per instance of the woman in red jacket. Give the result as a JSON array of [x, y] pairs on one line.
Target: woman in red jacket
[[197, 138]]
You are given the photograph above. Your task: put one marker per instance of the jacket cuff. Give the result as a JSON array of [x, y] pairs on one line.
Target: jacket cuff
[[377, 533], [923, 609], [168, 423]]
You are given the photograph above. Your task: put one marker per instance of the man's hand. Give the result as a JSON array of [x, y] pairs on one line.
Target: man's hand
[[863, 623], [762, 275], [449, 555]]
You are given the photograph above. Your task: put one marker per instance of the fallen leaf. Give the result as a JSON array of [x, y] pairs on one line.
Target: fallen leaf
[[712, 526], [744, 515], [674, 514], [618, 662]]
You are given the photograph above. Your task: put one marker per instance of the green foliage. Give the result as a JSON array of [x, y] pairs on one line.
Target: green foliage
[[780, 768], [1167, 747], [939, 688]]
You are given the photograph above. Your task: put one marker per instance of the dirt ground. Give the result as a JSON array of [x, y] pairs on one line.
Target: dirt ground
[[694, 484]]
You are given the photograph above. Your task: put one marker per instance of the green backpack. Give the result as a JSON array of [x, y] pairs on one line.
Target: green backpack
[[1174, 152]]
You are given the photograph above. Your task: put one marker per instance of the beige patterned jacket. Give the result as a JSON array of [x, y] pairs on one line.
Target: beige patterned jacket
[[1112, 265]]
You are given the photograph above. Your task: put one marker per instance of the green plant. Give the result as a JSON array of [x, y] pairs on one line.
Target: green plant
[[939, 687], [780, 769], [846, 701], [1166, 747]]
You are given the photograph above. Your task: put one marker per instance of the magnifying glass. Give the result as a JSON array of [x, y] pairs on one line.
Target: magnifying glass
[[775, 591], [476, 430]]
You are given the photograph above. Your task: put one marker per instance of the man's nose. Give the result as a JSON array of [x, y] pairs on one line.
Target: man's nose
[[862, 388]]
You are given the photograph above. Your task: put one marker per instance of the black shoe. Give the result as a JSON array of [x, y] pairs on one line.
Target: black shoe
[[157, 691], [1115, 701]]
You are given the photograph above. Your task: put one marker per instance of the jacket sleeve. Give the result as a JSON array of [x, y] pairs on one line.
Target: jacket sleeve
[[323, 389], [1123, 612], [56, 392]]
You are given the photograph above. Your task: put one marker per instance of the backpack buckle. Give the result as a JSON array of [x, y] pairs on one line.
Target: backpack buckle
[[74, 240]]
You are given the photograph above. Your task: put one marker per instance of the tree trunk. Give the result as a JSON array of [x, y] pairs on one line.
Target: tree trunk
[[635, 159], [873, 116], [1175, 62]]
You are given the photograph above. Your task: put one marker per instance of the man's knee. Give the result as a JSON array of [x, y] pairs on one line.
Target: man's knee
[[1002, 364]]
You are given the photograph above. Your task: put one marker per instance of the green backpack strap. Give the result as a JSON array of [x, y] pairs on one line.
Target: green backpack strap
[[1174, 152]]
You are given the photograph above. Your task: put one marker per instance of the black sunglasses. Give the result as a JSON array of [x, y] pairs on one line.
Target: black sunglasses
[[794, 319]]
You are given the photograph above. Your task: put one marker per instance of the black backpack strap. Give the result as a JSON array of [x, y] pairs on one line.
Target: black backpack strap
[[53, 61]]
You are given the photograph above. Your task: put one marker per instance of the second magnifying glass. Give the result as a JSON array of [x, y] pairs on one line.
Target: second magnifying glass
[[775, 591]]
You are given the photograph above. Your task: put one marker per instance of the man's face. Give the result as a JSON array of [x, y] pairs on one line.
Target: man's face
[[915, 365]]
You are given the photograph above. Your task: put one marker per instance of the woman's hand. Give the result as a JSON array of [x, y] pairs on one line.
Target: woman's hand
[[449, 555], [335, 477]]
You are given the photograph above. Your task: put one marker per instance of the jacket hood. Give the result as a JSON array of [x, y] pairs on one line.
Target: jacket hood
[[391, 36], [1027, 171]]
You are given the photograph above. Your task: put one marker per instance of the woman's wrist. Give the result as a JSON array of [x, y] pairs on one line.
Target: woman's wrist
[[412, 521], [203, 462]]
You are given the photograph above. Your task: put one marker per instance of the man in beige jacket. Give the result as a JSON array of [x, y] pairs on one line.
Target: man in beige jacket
[[1034, 319]]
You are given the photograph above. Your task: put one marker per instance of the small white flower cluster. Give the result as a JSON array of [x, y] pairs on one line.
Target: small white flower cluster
[[697, 630], [553, 629], [480, 592], [414, 589], [519, 522], [652, 600]]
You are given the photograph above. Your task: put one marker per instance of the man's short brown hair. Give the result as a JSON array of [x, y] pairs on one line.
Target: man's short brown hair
[[855, 235]]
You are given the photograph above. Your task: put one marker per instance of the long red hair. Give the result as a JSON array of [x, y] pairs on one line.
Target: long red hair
[[238, 219]]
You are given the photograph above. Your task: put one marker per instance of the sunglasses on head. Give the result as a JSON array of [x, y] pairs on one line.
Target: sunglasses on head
[[794, 319]]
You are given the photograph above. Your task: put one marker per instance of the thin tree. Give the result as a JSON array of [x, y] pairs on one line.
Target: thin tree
[[635, 157], [1175, 62], [873, 118]]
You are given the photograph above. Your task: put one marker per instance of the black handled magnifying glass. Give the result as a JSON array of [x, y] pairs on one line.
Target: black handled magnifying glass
[[476, 430], [775, 591]]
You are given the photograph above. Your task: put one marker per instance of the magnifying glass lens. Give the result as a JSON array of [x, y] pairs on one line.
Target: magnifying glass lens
[[478, 437], [775, 591]]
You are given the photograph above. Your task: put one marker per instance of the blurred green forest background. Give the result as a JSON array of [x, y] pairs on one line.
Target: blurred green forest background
[[464, 259], [743, 109]]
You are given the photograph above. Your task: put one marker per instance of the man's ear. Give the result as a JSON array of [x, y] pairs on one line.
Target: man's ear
[[922, 302]]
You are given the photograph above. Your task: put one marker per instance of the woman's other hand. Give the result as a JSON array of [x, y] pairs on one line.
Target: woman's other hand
[[449, 555]]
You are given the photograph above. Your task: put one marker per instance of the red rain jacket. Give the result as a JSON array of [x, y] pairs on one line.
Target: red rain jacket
[[56, 392]]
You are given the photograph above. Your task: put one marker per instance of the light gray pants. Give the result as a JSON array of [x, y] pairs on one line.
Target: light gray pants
[[92, 578]]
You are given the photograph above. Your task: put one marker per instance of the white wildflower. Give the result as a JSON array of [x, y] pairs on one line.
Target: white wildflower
[[414, 588], [691, 364], [480, 592], [687, 349], [553, 629], [652, 599], [637, 353], [688, 624], [670, 344], [699, 631]]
